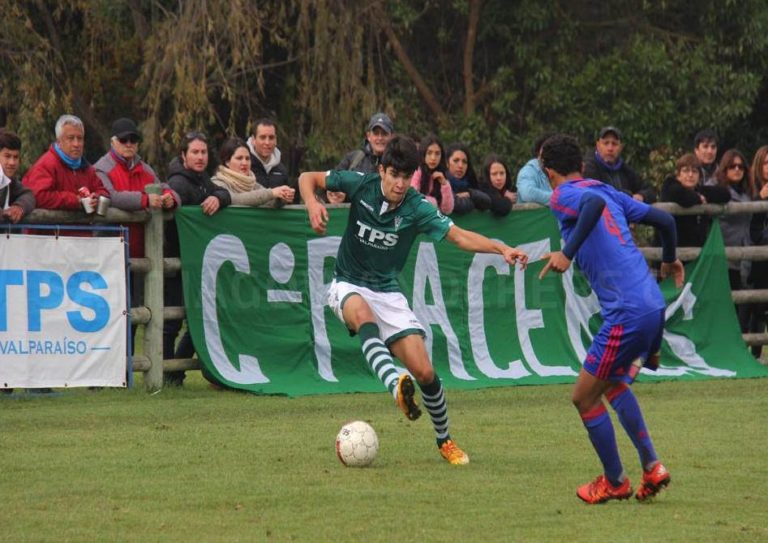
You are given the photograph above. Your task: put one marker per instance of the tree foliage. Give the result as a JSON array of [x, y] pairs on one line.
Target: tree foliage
[[493, 73]]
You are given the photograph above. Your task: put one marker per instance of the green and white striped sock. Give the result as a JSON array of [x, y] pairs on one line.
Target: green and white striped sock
[[378, 356], [433, 399]]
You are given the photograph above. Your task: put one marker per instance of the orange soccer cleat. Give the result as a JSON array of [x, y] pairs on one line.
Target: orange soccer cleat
[[601, 490], [451, 452], [406, 397], [653, 481]]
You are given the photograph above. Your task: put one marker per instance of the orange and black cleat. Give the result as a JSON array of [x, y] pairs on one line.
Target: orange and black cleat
[[406, 397], [653, 482], [601, 490]]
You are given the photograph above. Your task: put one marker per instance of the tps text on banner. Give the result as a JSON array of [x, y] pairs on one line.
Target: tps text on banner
[[255, 283], [63, 314]]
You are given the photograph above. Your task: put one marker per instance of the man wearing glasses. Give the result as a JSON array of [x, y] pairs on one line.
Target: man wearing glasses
[[126, 176]]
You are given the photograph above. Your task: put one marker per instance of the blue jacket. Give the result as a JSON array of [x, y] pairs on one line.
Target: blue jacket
[[532, 184]]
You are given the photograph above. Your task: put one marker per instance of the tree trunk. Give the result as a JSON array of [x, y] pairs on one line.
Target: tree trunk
[[469, 53], [421, 86]]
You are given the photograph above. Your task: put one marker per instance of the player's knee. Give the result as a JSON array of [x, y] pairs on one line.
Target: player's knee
[[424, 375], [581, 403]]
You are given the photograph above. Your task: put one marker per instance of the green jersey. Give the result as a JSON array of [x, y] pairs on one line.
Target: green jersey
[[377, 240]]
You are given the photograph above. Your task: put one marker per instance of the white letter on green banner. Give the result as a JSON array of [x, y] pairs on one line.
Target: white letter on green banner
[[225, 248], [426, 270]]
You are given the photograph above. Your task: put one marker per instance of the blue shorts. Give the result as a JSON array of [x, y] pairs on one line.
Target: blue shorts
[[618, 345]]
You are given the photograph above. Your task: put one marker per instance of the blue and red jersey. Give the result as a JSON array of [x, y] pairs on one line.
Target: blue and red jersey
[[609, 258]]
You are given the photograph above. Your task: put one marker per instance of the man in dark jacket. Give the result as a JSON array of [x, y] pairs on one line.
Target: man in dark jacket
[[377, 136], [705, 149], [16, 200], [187, 176], [266, 162], [606, 165]]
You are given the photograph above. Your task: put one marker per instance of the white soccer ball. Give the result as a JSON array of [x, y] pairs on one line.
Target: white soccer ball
[[357, 444]]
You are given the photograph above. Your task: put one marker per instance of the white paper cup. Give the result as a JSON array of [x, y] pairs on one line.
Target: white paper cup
[[87, 204]]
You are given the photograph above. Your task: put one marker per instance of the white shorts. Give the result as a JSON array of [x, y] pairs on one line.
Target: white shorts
[[394, 317]]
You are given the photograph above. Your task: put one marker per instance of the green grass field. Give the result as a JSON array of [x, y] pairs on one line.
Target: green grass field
[[202, 465]]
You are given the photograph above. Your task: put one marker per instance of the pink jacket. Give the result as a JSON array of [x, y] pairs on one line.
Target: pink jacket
[[446, 193]]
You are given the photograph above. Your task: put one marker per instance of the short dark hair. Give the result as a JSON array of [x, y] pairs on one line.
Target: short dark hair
[[264, 121], [189, 137], [561, 153], [229, 147], [9, 140], [401, 154], [703, 136], [538, 142]]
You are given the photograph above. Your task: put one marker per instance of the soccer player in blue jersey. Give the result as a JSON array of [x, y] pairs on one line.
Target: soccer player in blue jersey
[[386, 215], [594, 222]]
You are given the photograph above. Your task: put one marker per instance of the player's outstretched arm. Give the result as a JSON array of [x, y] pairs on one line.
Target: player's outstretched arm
[[309, 183], [477, 243]]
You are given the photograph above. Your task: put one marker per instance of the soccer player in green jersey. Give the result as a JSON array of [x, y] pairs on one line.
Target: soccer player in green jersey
[[385, 217]]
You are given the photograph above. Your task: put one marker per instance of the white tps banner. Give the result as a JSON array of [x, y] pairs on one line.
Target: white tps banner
[[63, 314]]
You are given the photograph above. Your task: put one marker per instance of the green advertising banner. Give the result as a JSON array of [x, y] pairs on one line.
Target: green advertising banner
[[255, 283]]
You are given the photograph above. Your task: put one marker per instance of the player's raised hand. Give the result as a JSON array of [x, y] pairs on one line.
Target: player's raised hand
[[513, 255], [675, 269], [318, 217], [557, 262]]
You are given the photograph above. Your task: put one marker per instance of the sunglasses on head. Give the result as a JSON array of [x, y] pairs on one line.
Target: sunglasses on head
[[191, 136], [130, 138]]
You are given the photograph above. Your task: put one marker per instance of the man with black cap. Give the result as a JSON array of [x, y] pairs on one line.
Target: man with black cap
[[377, 136], [126, 176], [606, 165]]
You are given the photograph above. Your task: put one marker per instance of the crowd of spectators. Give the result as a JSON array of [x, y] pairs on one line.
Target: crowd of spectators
[[250, 172]]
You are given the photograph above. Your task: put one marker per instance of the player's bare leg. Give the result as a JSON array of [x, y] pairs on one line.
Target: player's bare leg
[[412, 352], [359, 317]]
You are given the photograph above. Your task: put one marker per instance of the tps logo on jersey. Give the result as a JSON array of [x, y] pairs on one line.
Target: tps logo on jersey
[[375, 238]]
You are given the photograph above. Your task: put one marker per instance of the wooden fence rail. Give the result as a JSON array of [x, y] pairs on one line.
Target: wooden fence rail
[[154, 267]]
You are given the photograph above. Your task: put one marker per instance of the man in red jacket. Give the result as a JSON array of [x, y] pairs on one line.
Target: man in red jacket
[[62, 177], [126, 176]]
